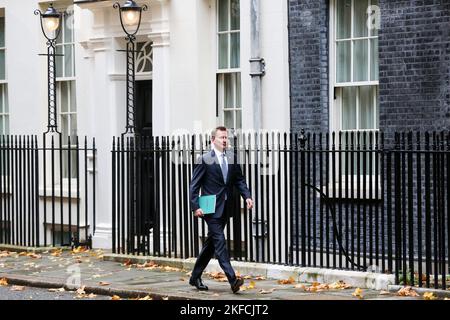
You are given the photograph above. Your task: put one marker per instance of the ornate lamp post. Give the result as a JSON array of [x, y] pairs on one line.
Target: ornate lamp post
[[130, 18], [50, 25]]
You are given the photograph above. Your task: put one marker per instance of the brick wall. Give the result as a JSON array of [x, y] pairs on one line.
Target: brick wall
[[308, 24], [414, 52]]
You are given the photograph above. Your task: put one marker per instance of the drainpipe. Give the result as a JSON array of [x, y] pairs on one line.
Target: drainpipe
[[257, 64]]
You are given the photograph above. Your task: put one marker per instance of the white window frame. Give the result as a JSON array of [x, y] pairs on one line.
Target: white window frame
[[336, 114], [220, 72], [4, 116], [336, 104], [68, 81]]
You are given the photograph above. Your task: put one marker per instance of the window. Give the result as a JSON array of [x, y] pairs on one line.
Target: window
[[144, 57], [4, 110], [229, 102], [66, 91], [355, 77]]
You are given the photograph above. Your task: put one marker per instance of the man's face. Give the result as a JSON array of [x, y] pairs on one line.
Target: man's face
[[221, 140]]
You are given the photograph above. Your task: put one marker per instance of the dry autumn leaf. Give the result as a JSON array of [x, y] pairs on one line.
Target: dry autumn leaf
[[407, 292], [165, 298], [17, 288], [3, 282], [339, 285], [80, 249], [4, 254], [429, 296], [266, 291], [260, 278], [252, 285], [357, 293], [57, 290], [317, 287], [247, 277], [115, 297], [300, 286], [81, 291], [291, 280], [146, 298], [103, 283], [56, 253], [218, 276]]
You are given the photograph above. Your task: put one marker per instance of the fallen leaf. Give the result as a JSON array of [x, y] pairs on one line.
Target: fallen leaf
[[382, 292], [165, 298], [317, 287], [56, 253], [4, 254], [23, 253], [17, 288], [407, 292], [57, 290], [91, 295], [127, 263], [80, 249], [429, 296], [102, 283], [339, 285], [266, 291], [34, 255], [81, 291], [251, 285], [291, 280], [146, 298], [247, 277], [3, 282], [114, 297], [300, 286], [171, 269], [218, 276], [357, 293], [260, 278], [182, 279]]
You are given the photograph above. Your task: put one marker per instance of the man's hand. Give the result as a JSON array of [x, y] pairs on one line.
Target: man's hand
[[249, 204], [198, 213]]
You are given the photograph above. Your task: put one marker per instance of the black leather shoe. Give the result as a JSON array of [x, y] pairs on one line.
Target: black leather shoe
[[237, 284], [198, 284]]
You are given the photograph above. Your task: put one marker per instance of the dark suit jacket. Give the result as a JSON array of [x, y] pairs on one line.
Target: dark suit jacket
[[208, 177]]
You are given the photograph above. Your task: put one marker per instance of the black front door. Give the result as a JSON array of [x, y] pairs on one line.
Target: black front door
[[144, 90], [145, 163]]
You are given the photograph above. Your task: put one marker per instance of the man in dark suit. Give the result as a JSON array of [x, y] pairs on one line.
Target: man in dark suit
[[215, 174]]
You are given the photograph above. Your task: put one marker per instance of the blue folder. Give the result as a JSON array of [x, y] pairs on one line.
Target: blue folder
[[207, 204]]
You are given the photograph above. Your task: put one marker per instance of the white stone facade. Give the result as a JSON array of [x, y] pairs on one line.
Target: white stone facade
[[184, 37]]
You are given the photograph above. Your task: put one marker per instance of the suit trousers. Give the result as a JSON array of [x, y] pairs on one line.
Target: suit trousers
[[215, 244]]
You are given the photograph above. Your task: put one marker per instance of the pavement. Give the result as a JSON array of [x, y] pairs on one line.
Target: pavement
[[85, 273]]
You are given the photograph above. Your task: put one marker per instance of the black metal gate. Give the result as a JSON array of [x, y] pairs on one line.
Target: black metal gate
[[47, 191], [349, 200]]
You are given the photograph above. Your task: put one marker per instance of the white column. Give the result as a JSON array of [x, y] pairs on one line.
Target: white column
[[160, 36]]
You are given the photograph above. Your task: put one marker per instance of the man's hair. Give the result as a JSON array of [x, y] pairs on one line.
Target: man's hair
[[220, 128]]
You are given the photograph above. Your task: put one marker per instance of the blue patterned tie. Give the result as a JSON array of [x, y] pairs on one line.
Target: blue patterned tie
[[224, 168]]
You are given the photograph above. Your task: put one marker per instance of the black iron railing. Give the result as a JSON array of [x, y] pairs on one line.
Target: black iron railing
[[47, 191], [347, 200]]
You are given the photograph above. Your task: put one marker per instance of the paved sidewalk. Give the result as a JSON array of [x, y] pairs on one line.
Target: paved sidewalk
[[57, 269]]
